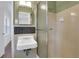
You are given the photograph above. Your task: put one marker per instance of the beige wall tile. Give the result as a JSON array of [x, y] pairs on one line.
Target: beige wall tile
[[51, 34], [68, 32]]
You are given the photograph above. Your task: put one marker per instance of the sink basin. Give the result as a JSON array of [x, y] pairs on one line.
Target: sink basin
[[26, 42]]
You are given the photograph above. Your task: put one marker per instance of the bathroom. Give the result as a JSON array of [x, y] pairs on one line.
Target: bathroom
[[39, 29]]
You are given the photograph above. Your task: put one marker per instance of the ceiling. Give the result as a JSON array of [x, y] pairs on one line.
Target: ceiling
[[52, 6], [57, 6]]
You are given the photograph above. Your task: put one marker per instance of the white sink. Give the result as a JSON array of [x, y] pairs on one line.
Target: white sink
[[26, 42]]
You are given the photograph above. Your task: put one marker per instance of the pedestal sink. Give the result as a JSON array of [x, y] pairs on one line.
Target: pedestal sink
[[26, 42]]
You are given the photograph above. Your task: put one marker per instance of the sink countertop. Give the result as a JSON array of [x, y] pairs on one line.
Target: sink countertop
[[26, 42]]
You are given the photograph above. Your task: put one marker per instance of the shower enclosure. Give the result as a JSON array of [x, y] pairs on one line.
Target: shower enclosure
[[58, 29], [44, 30]]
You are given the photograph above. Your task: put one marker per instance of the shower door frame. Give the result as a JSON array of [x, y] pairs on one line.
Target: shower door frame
[[46, 27]]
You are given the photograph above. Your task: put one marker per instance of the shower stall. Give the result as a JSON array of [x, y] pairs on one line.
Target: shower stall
[[45, 31], [58, 29], [42, 29]]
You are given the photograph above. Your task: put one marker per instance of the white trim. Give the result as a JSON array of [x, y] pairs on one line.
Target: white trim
[[12, 32]]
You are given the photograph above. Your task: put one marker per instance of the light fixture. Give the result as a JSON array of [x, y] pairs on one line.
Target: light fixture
[[28, 4], [25, 3], [43, 7], [21, 2], [72, 14], [16, 21]]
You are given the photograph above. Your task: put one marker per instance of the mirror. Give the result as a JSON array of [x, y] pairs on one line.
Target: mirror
[[24, 13], [24, 18]]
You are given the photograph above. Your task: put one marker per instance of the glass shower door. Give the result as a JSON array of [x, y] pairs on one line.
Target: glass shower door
[[42, 29]]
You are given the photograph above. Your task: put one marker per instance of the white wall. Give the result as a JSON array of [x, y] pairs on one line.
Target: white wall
[[7, 13], [1, 29]]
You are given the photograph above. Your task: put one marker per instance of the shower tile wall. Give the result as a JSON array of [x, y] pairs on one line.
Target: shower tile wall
[[68, 32], [65, 41], [51, 34]]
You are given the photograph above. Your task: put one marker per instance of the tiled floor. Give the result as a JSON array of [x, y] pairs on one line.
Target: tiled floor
[[8, 51]]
